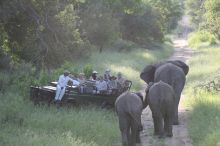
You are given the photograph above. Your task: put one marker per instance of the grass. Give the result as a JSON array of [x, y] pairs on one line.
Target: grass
[[204, 124], [23, 124]]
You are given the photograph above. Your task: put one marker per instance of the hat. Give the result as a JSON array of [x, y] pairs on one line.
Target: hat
[[94, 72]]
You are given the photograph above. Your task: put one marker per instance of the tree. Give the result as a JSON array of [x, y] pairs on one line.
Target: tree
[[42, 32], [98, 24], [195, 9], [212, 17]]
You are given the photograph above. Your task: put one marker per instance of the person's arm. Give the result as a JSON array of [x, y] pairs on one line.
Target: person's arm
[[75, 82]]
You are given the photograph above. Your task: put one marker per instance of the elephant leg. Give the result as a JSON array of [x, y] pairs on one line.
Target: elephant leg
[[136, 127], [168, 125], [158, 124], [156, 130], [124, 125], [178, 87]]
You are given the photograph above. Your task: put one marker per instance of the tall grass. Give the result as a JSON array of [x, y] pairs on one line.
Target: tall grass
[[23, 124], [204, 124]]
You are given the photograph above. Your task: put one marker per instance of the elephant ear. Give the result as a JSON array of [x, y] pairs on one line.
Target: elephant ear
[[148, 73], [180, 64]]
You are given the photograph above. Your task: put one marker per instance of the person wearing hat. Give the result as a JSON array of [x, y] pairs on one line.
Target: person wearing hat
[[94, 75], [107, 75], [61, 85]]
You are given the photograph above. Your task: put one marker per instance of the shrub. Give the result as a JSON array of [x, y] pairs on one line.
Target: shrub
[[199, 37], [123, 45], [87, 70]]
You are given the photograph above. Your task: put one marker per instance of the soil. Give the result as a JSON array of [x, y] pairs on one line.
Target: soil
[[180, 133]]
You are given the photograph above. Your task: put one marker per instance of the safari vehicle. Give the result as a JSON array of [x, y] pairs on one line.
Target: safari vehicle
[[73, 95]]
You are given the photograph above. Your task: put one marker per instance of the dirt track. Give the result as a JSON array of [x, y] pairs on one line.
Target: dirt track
[[180, 134]]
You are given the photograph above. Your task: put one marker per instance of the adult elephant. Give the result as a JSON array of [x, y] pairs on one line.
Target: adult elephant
[[129, 107], [161, 99], [170, 72]]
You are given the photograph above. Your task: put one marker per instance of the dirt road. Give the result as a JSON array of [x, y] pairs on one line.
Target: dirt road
[[180, 134]]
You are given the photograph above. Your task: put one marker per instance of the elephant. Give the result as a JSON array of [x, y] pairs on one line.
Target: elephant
[[129, 108], [171, 72], [161, 99]]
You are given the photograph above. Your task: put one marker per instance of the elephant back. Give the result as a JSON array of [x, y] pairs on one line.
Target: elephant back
[[161, 92], [128, 101], [180, 64], [170, 74]]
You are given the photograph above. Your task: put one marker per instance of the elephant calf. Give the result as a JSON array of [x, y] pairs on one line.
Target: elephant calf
[[129, 108], [161, 99]]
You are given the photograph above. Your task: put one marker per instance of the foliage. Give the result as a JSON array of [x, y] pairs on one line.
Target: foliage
[[42, 31], [136, 28], [205, 15], [48, 33], [87, 70], [169, 11], [205, 105], [199, 37], [98, 24], [195, 9], [212, 17]]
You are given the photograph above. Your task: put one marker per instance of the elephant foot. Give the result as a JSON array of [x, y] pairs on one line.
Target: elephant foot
[[169, 135], [176, 123], [156, 133], [161, 136]]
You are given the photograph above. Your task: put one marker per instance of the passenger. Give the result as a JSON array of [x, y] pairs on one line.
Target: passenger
[[81, 78], [107, 75], [94, 75], [112, 85], [61, 85], [120, 81], [101, 86]]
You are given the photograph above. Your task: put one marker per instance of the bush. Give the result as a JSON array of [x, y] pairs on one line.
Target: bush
[[199, 37], [123, 45], [87, 70]]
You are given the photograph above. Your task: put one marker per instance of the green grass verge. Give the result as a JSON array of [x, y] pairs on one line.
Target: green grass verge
[[23, 124], [204, 123]]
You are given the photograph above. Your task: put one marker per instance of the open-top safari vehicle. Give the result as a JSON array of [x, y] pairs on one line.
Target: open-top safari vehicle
[[74, 96]]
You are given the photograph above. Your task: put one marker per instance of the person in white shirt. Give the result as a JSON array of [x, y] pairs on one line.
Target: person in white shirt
[[61, 85], [101, 85]]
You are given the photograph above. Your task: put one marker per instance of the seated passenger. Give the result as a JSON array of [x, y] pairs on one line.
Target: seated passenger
[[94, 75], [82, 80], [107, 75], [101, 86], [120, 81], [112, 85]]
